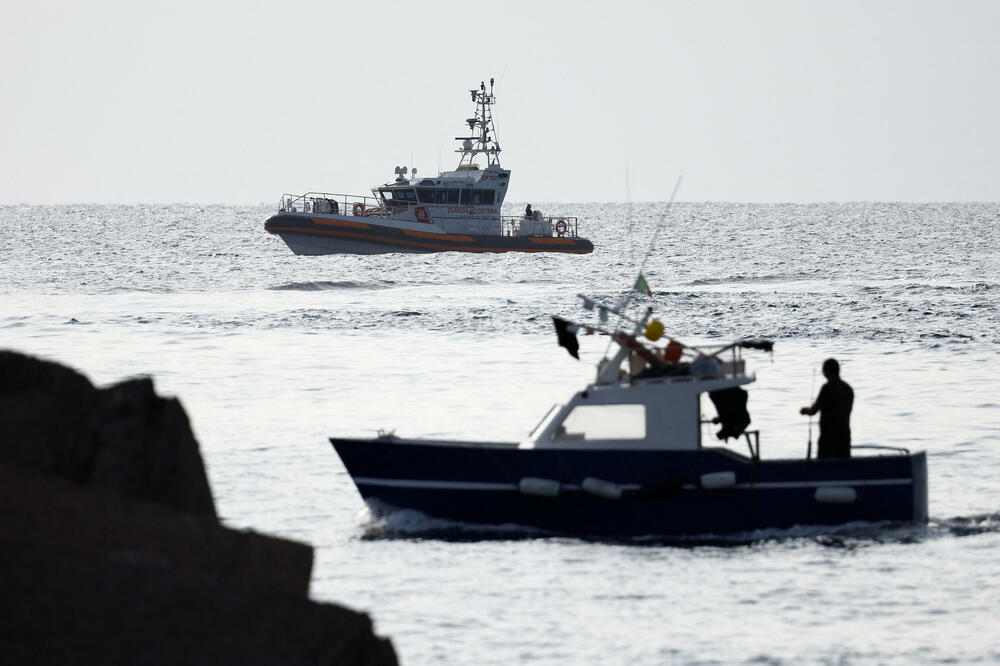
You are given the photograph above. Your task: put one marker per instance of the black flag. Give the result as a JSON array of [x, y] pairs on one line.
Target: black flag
[[566, 331], [764, 345]]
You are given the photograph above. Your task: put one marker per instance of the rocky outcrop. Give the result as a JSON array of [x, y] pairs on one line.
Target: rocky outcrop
[[123, 437], [111, 551]]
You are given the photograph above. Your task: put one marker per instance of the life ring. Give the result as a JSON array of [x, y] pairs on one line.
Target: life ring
[[422, 215], [359, 209], [561, 227]]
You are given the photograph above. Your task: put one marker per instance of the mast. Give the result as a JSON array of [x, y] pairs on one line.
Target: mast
[[482, 133]]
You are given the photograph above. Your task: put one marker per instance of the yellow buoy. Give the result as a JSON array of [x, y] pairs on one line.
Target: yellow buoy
[[654, 330]]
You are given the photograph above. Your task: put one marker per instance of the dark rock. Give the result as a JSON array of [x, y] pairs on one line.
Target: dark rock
[[111, 551], [54, 511], [123, 437], [62, 606]]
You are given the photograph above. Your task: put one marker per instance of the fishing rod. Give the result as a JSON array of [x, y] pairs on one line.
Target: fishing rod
[[631, 220], [620, 310], [809, 445], [659, 225]]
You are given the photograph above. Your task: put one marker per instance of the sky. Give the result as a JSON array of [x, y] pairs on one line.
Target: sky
[[239, 102]]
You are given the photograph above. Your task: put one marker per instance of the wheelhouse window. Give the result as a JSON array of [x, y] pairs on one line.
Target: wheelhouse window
[[478, 197], [432, 196], [453, 196], [401, 195], [603, 422]]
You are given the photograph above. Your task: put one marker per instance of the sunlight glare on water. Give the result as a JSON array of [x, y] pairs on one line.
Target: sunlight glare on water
[[271, 354]]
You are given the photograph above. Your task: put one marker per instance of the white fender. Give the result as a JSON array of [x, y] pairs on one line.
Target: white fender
[[714, 480], [602, 488], [836, 495], [532, 485]]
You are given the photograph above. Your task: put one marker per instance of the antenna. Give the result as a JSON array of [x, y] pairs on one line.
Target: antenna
[[482, 136]]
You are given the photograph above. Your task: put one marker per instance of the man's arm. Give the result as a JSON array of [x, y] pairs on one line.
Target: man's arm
[[816, 406]]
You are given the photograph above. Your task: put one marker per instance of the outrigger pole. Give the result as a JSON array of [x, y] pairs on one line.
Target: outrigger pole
[[652, 244]]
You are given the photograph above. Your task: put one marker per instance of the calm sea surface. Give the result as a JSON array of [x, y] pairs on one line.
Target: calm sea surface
[[272, 353]]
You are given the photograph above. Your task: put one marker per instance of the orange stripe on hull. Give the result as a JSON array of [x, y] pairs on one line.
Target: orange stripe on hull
[[552, 241], [449, 237], [340, 223], [421, 244]]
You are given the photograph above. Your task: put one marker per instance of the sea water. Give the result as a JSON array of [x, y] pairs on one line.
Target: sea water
[[271, 354]]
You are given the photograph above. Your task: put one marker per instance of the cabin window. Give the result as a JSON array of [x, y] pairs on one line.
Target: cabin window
[[430, 196], [400, 195], [482, 197], [603, 422], [453, 196]]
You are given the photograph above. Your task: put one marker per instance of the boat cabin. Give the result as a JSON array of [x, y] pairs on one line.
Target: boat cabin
[[472, 188], [656, 402], [662, 413]]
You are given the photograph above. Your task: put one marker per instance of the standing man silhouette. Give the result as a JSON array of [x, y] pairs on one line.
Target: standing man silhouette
[[834, 404]]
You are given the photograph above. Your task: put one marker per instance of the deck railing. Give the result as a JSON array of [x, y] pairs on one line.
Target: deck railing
[[541, 226], [366, 206], [325, 202]]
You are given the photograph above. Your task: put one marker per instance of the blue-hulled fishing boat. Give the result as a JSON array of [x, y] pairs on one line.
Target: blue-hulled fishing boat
[[624, 457]]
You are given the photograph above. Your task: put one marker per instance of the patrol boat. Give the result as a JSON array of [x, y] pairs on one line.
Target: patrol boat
[[625, 457], [455, 211]]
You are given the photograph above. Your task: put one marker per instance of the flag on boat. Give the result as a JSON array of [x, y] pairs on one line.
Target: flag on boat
[[641, 286], [764, 345], [566, 332]]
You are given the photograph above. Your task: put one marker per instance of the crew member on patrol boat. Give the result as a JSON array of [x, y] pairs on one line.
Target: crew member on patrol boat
[[527, 211], [834, 404]]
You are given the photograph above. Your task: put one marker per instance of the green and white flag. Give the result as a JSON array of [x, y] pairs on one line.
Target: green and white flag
[[641, 286]]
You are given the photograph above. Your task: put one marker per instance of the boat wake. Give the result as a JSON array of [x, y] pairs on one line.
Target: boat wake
[[326, 285], [756, 279], [387, 522], [381, 521], [961, 526]]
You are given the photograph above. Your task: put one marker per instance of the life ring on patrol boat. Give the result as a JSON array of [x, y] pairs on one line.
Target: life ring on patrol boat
[[359, 209], [561, 227]]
